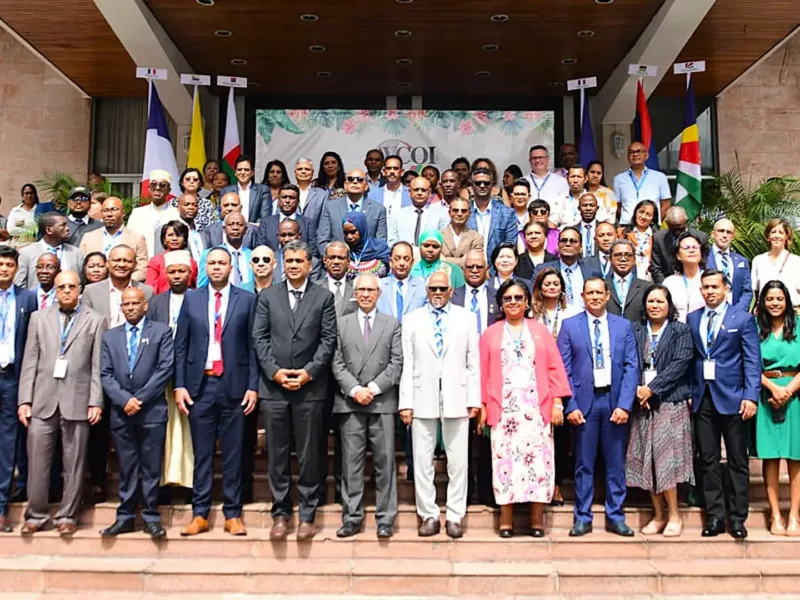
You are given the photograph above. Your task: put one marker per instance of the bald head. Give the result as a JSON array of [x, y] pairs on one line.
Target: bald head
[[68, 290], [112, 213], [229, 203], [723, 234], [356, 188], [420, 191], [134, 305]]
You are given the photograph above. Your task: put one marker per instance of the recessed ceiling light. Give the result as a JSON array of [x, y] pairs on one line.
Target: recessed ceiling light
[[223, 33], [252, 84], [308, 17], [404, 1], [238, 61], [404, 61], [324, 73], [603, 1], [490, 47], [556, 84], [585, 33], [569, 61], [498, 18], [404, 84], [317, 48], [402, 33], [482, 73], [205, 2]]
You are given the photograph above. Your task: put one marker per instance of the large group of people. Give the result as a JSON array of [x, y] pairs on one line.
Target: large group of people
[[535, 329]]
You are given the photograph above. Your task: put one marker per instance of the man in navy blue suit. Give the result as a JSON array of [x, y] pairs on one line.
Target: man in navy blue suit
[[288, 202], [135, 366], [216, 383], [733, 265], [16, 306], [488, 216], [255, 197], [727, 385], [599, 352]]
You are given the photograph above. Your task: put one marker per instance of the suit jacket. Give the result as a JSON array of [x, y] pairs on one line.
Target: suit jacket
[[267, 234], [415, 297], [213, 235], [71, 260], [575, 345], [741, 284], [634, 307], [674, 361], [459, 298], [469, 240], [313, 209], [586, 270], [202, 274], [240, 371], [593, 264], [304, 339], [502, 226], [665, 247], [333, 213], [76, 230], [344, 305], [93, 242], [376, 195], [260, 200], [525, 268], [456, 377], [151, 372], [80, 388], [96, 296], [158, 308], [380, 360], [26, 304], [737, 356]]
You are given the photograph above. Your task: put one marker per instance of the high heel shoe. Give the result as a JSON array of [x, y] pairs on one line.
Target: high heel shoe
[[793, 530], [777, 527]]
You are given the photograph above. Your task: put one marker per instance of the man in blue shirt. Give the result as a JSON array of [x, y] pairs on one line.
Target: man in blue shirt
[[640, 183]]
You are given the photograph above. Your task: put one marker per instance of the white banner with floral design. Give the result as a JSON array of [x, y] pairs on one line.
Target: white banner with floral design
[[419, 137]]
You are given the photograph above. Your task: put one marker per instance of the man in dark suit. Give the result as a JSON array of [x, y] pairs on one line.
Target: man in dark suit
[[493, 220], [288, 201], [665, 243], [333, 277], [572, 268], [255, 197], [312, 198], [78, 219], [216, 378], [16, 306], [599, 352], [295, 338], [727, 388], [627, 291], [135, 366], [600, 262], [367, 368], [735, 266], [214, 234]]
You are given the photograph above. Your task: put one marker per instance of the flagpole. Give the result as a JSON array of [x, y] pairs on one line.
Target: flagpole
[[688, 80], [149, 95], [583, 99]]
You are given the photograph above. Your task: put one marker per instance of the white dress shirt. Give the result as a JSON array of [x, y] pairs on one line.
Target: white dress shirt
[[175, 304], [718, 318], [552, 188], [785, 269], [392, 200], [212, 299], [372, 386], [116, 318], [605, 340], [48, 297], [301, 289], [403, 223], [337, 290], [244, 198], [8, 324], [303, 198]]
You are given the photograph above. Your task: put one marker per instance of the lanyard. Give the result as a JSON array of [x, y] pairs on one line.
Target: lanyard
[[8, 298], [65, 330], [517, 340], [108, 242], [553, 326], [641, 240], [638, 184], [538, 187], [654, 337], [357, 261]]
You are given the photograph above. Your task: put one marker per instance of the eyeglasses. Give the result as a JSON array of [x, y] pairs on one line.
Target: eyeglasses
[[635, 152], [459, 211], [351, 179], [514, 298], [538, 158], [158, 185], [481, 183], [438, 288], [622, 255], [474, 267], [569, 241], [259, 259], [539, 211], [191, 179]]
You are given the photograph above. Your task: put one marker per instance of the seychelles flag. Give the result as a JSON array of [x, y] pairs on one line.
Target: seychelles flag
[[642, 131], [689, 191], [158, 152]]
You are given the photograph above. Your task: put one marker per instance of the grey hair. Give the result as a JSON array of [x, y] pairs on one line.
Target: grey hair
[[303, 159], [298, 246], [676, 214], [336, 244], [627, 243]]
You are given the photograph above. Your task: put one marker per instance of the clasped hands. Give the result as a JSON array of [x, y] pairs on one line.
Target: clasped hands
[[291, 379], [779, 396]]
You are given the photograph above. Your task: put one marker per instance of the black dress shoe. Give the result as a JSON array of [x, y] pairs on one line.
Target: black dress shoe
[[537, 532], [347, 530], [580, 528], [385, 532], [454, 530], [738, 530], [19, 495], [713, 528], [155, 531], [117, 528], [429, 527], [619, 528], [506, 533]]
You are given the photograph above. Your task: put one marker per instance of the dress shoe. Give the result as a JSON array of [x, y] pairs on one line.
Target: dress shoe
[[305, 532], [235, 526], [117, 528], [155, 530], [197, 526], [5, 525], [619, 528], [738, 530], [29, 528], [348, 529], [537, 532], [580, 528], [713, 528], [19, 495], [454, 530], [385, 532], [67, 529], [429, 527], [506, 533], [280, 528], [98, 495]]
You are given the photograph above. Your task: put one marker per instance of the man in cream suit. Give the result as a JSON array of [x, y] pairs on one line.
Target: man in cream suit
[[113, 234], [457, 238], [440, 340], [60, 394]]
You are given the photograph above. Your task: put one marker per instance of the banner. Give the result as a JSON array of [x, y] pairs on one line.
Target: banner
[[419, 137]]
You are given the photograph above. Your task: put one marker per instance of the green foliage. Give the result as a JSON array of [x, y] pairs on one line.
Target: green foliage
[[56, 185]]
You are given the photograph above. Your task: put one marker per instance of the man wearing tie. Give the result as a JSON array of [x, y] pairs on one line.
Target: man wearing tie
[[599, 352], [401, 294], [241, 271], [295, 338], [135, 366], [600, 262], [287, 205], [408, 222], [574, 270], [733, 265], [47, 267], [367, 367], [727, 388], [587, 205], [336, 260], [16, 306], [216, 378], [54, 230], [627, 290]]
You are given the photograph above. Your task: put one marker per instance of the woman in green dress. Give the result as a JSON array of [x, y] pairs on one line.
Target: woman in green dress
[[778, 417], [430, 260]]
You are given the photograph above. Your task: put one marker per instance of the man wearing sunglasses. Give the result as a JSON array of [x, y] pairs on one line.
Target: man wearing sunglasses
[[493, 220], [640, 183], [262, 261], [255, 197], [78, 219], [439, 341], [393, 195], [457, 238], [569, 263], [147, 220], [407, 223]]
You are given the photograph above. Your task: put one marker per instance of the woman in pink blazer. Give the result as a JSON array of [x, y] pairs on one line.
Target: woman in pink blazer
[[523, 384]]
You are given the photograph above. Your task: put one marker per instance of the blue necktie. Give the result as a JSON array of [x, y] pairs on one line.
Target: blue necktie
[[439, 335], [354, 208], [399, 301], [710, 332], [476, 309], [725, 265], [599, 362], [133, 345], [568, 272]]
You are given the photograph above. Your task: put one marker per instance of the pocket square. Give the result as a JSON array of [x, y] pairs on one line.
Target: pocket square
[[145, 341], [732, 330], [740, 266]]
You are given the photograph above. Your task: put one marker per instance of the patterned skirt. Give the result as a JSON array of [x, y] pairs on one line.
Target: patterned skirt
[[660, 448]]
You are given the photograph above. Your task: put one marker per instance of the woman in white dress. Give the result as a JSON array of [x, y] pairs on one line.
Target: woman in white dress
[[22, 217], [685, 284], [778, 263]]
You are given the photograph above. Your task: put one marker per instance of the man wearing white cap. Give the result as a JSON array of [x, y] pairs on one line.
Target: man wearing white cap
[[146, 220]]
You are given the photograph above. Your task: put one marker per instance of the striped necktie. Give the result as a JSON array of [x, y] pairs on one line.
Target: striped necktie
[[439, 334], [133, 346]]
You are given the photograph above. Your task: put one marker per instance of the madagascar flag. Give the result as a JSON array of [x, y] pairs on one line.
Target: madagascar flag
[[689, 190], [230, 146], [642, 130]]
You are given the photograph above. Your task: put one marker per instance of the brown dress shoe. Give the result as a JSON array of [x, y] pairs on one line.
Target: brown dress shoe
[[429, 527], [67, 528], [5, 525], [235, 526], [198, 525], [280, 528], [29, 528], [454, 530], [305, 532]]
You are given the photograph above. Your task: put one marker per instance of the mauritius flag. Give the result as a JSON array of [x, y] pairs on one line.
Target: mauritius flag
[[688, 194], [230, 146]]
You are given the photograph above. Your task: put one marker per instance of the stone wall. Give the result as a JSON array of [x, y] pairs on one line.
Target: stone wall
[[45, 124], [758, 118]]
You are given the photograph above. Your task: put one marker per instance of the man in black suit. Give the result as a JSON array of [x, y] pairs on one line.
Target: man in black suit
[[78, 220], [213, 235], [627, 291], [600, 262], [333, 277], [295, 337], [255, 197], [665, 243], [573, 269], [288, 201], [135, 366]]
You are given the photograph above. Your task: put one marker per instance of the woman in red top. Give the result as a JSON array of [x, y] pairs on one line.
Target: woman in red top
[[174, 236], [523, 383]]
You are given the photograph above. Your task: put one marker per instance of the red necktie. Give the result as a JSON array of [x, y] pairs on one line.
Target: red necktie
[[217, 364], [44, 302]]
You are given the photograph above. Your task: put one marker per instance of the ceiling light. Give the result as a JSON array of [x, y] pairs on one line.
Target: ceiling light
[[482, 73], [308, 17], [317, 48], [556, 84], [324, 73], [205, 2], [585, 33], [223, 33], [490, 47], [603, 1], [404, 1], [402, 33], [404, 84], [498, 18], [569, 61], [238, 61], [403, 61]]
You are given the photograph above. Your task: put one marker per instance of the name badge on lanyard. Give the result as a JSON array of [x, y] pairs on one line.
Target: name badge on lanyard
[[638, 184], [709, 369], [60, 367], [538, 187]]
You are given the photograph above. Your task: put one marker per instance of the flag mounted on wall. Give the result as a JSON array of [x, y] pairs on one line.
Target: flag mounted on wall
[[158, 151], [689, 190]]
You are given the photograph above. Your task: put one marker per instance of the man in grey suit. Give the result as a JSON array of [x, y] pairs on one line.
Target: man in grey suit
[[312, 198], [54, 230], [213, 234], [334, 211], [367, 367], [60, 395]]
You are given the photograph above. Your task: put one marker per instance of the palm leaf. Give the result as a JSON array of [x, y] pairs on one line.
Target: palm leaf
[[56, 186]]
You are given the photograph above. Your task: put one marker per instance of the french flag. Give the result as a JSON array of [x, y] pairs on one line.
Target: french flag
[[158, 152]]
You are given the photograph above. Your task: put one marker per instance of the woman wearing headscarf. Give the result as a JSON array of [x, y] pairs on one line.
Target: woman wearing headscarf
[[367, 254], [430, 261]]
